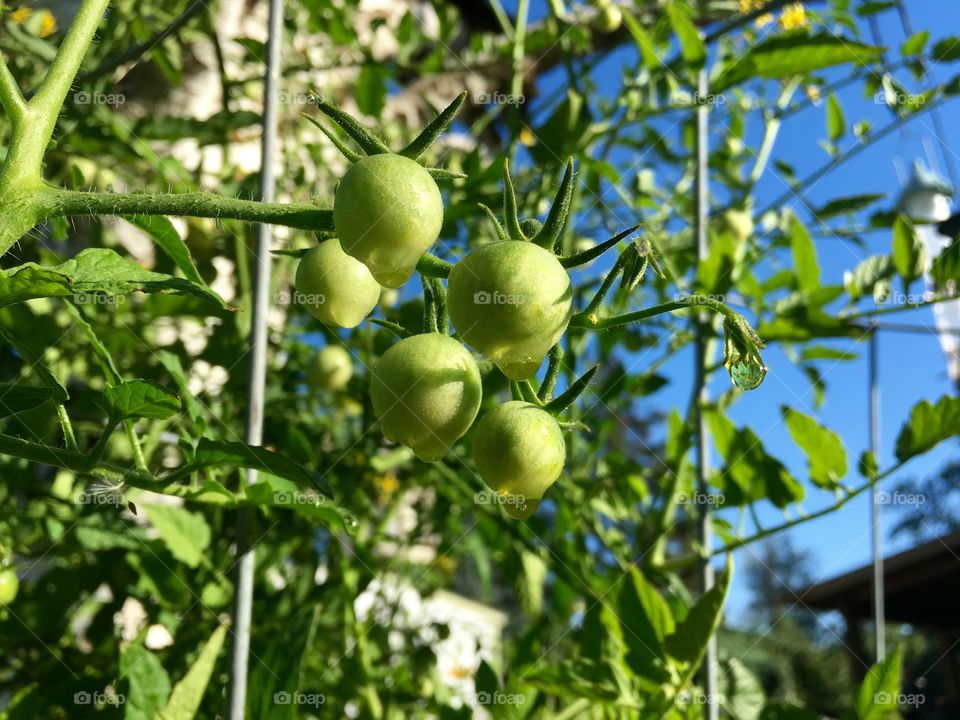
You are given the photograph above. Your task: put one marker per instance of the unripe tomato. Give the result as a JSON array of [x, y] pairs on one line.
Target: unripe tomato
[[387, 213], [609, 19], [519, 452], [332, 368], [511, 301], [426, 391], [9, 584], [334, 287], [739, 223]]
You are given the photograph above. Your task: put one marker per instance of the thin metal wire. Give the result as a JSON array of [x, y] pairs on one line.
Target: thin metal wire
[[873, 405], [243, 607], [707, 577]]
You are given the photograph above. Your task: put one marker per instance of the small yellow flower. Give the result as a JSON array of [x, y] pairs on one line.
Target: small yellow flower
[[813, 93], [793, 17], [748, 6], [48, 24], [527, 137], [387, 483], [763, 20], [21, 15]]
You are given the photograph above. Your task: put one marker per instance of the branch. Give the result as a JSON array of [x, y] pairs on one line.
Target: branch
[[63, 203], [46, 104], [10, 97], [587, 320]]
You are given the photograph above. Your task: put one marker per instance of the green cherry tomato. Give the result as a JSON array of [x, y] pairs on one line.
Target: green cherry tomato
[[334, 287], [511, 301], [8, 586], [519, 452], [426, 391], [609, 18], [332, 368], [387, 213]]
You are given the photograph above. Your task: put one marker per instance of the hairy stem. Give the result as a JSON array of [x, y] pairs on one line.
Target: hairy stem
[[61, 203], [10, 98]]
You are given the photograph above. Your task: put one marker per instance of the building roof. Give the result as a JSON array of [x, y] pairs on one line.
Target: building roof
[[921, 586]]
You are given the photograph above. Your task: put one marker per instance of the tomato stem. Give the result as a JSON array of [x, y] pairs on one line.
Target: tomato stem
[[60, 203]]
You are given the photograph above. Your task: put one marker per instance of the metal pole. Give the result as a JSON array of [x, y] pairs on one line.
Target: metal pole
[[707, 579], [879, 613], [253, 435]]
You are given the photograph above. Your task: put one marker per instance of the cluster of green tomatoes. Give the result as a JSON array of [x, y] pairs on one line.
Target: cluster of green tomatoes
[[510, 301]]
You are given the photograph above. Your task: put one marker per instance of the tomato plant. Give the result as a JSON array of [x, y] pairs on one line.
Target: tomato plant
[[453, 333]]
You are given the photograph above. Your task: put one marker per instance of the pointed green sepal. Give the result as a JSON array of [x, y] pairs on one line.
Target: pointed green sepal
[[566, 399], [344, 150], [559, 211], [432, 131], [363, 136], [582, 258]]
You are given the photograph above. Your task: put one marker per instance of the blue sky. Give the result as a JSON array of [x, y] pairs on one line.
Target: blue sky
[[911, 367]]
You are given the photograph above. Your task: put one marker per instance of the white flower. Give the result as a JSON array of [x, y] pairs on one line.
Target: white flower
[[207, 378], [158, 638]]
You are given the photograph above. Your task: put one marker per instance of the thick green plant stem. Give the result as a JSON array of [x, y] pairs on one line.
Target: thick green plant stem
[[61, 203], [40, 115], [10, 98]]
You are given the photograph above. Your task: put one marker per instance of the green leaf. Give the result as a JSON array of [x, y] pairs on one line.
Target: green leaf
[[691, 44], [185, 533], [212, 453], [15, 399], [794, 54], [868, 275], [149, 684], [804, 256], [836, 124], [646, 619], [826, 456], [743, 696], [946, 266], [909, 253], [278, 670], [187, 694], [689, 641], [141, 399], [821, 352], [785, 711], [643, 41], [915, 44], [946, 50], [161, 230], [93, 273], [877, 697], [848, 204], [532, 583], [370, 90], [929, 425]]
